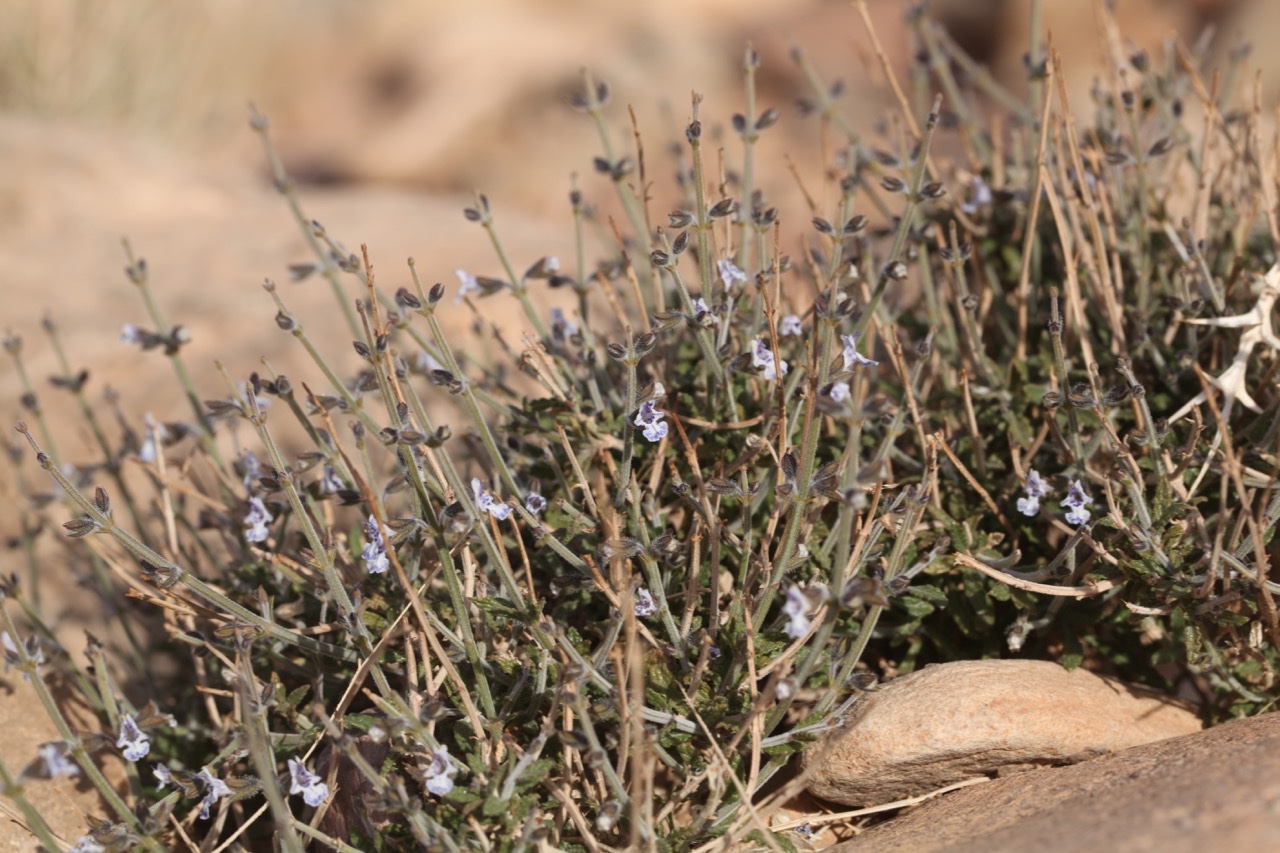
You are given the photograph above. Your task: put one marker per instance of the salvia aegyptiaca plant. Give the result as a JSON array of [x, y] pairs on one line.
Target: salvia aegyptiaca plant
[[1008, 391]]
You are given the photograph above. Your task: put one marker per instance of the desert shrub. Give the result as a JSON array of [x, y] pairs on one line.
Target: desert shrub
[[600, 588]]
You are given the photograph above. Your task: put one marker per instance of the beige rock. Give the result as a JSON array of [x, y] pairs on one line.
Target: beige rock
[[1208, 791], [956, 721]]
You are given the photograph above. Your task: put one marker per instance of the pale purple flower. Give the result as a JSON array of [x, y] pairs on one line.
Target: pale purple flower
[[331, 483], [839, 392], [796, 604], [644, 603], [1076, 500], [469, 285], [214, 789], [132, 740], [655, 429], [1034, 489], [252, 468], [130, 334], [425, 362], [730, 274], [154, 436], [304, 782], [851, 355], [53, 760], [163, 775], [86, 844], [439, 774], [790, 326], [562, 327], [979, 195], [762, 357], [11, 656], [486, 502], [374, 552], [702, 312], [535, 503], [256, 521]]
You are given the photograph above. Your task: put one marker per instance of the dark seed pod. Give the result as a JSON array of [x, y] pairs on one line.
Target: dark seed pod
[[896, 270], [407, 301], [767, 119], [681, 243], [1116, 395], [822, 225], [893, 185], [723, 208], [855, 225]]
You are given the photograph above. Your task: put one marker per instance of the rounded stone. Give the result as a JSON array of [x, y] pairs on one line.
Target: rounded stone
[[955, 721]]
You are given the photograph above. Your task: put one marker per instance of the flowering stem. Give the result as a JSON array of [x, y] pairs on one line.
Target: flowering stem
[[1060, 359], [287, 188], [74, 744], [468, 395], [322, 555], [519, 286], [219, 601], [257, 738]]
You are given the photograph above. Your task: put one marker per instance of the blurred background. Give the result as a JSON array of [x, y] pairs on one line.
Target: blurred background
[[128, 119]]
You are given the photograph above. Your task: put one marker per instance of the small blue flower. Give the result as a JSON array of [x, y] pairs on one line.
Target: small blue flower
[[304, 782], [839, 392], [796, 604], [130, 334], [439, 774], [486, 502], [790, 326], [535, 503], [374, 552], [655, 429], [86, 844], [132, 740], [762, 357], [1076, 500], [214, 789], [851, 355], [1034, 489], [256, 521], [644, 604], [730, 274]]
